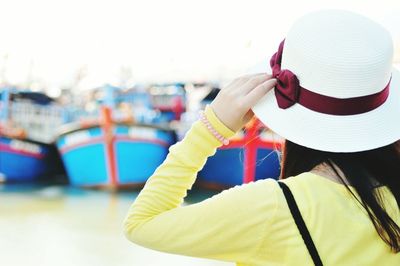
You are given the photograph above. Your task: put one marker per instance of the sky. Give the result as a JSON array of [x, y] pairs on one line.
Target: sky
[[49, 43]]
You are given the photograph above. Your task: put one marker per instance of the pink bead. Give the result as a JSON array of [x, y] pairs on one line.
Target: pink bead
[[212, 130]]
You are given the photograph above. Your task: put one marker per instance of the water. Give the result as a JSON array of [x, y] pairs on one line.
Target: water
[[60, 225]]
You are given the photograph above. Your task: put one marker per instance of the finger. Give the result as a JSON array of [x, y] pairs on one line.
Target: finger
[[244, 84], [253, 82], [234, 84], [248, 77], [235, 87], [244, 79], [260, 91]]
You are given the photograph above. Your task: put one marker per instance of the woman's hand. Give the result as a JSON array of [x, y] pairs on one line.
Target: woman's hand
[[234, 102]]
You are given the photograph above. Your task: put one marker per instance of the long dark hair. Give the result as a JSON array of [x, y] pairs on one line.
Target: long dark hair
[[363, 171]]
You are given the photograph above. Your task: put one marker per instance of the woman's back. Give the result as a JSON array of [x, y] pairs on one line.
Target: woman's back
[[340, 228]]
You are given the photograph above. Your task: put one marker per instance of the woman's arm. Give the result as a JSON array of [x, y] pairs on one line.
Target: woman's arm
[[229, 226]]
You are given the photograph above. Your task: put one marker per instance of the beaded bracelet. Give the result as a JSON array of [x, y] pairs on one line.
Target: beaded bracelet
[[212, 130]]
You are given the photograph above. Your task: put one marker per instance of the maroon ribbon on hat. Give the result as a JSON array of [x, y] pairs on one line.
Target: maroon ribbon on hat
[[289, 92]]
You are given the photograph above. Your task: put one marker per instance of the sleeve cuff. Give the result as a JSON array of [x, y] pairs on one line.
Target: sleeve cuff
[[217, 124]]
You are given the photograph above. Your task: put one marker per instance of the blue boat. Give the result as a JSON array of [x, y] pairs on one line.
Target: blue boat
[[27, 160], [26, 151], [114, 156]]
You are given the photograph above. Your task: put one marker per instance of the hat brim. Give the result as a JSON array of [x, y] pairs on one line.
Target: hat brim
[[335, 133]]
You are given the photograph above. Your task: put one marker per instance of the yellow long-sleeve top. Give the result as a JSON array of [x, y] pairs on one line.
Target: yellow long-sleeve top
[[251, 224]]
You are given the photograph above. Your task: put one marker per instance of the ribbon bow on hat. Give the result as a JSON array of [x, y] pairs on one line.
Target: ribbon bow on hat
[[287, 89]]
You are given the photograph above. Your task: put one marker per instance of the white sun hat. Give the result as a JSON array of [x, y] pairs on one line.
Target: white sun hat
[[348, 95]]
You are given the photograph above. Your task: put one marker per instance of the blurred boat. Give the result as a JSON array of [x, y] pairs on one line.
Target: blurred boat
[[251, 155], [27, 127], [169, 99], [113, 154], [121, 147], [27, 160]]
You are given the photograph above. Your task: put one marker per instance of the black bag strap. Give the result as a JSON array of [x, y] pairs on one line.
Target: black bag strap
[[305, 234]]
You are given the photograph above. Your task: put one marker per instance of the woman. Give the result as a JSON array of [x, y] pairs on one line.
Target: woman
[[335, 97]]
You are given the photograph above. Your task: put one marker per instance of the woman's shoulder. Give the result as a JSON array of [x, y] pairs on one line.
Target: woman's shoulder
[[270, 188], [311, 191], [305, 187], [260, 188], [311, 181]]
